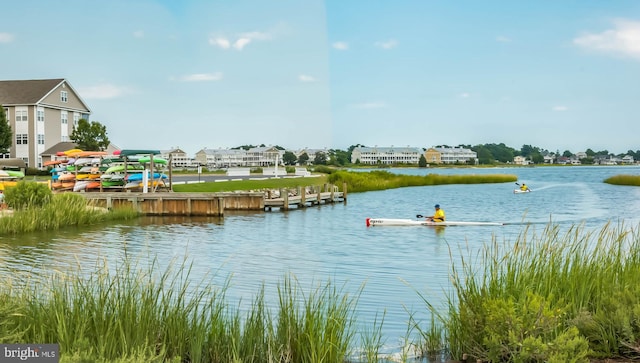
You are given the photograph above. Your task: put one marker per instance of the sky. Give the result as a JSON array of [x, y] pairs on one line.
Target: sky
[[195, 74]]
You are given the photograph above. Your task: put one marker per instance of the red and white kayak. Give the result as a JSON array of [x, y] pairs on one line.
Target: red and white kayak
[[382, 222]]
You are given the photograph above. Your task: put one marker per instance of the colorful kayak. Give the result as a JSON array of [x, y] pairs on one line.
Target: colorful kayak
[[138, 176], [383, 222]]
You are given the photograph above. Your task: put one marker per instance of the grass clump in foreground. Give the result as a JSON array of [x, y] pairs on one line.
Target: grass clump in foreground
[[380, 180], [35, 208], [138, 315], [633, 180], [548, 298]]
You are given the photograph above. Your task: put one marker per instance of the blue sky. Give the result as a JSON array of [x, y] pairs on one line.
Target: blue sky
[[560, 75]]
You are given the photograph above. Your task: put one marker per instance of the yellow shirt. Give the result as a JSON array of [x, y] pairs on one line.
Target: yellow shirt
[[439, 215]]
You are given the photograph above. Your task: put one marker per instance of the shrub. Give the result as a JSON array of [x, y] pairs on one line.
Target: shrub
[[27, 195]]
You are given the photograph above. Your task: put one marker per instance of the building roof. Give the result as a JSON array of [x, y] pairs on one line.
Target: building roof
[[26, 91], [61, 146]]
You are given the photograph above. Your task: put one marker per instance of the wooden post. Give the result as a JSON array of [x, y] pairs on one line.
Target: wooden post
[[220, 206], [285, 206], [344, 192], [300, 192], [319, 194]]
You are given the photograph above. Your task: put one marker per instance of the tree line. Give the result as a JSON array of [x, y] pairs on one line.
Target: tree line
[[93, 136]]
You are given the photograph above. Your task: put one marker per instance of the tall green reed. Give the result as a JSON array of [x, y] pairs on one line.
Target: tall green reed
[[547, 296], [129, 314], [380, 179]]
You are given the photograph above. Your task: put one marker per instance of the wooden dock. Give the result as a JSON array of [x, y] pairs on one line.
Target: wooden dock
[[304, 197], [215, 204]]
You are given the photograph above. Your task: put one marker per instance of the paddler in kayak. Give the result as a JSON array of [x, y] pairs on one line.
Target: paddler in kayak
[[438, 216], [524, 187]]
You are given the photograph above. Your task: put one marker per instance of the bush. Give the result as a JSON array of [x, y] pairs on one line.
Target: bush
[[323, 169], [27, 195]]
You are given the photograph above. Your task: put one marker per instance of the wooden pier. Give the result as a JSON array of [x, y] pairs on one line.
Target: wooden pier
[[214, 204], [303, 197]]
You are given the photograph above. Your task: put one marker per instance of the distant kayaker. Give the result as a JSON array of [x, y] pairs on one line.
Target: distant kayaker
[[438, 216], [524, 187]]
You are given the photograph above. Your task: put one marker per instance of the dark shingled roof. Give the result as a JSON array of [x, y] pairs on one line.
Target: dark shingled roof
[[26, 92], [61, 146]]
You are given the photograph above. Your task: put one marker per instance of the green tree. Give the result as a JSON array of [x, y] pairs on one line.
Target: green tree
[[320, 159], [90, 136], [6, 135], [339, 157], [567, 154], [422, 162], [289, 158], [590, 153], [537, 157], [303, 159]]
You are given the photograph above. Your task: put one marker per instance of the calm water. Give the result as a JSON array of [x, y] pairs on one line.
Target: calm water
[[332, 242]]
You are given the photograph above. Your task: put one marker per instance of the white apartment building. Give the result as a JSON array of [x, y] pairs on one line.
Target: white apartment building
[[386, 155]]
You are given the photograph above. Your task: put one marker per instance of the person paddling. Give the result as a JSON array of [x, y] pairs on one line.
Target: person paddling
[[524, 187], [438, 216]]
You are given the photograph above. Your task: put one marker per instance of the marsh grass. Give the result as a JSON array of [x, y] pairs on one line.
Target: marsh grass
[[633, 180], [127, 314], [380, 180], [550, 297], [64, 210], [230, 186]]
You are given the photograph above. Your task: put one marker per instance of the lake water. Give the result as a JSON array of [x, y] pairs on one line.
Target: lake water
[[332, 242]]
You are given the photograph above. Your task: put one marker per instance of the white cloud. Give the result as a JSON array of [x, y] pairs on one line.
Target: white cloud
[[103, 91], [560, 108], [6, 37], [138, 34], [340, 45], [503, 39], [200, 77], [306, 78], [239, 41], [392, 43], [623, 39], [370, 105], [220, 42]]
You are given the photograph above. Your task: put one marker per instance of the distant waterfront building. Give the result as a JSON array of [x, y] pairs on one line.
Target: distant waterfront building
[[450, 155], [386, 155], [179, 158], [520, 160]]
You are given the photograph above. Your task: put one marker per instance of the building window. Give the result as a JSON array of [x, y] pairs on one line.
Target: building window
[[76, 118], [40, 139], [63, 96], [64, 138], [63, 118], [22, 139], [6, 114], [40, 115], [21, 115]]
